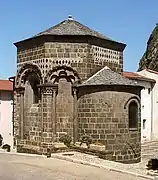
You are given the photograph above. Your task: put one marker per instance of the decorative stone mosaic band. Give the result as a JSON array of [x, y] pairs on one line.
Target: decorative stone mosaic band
[[103, 54], [45, 64]]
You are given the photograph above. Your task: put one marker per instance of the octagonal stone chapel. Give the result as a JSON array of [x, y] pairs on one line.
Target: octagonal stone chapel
[[69, 81]]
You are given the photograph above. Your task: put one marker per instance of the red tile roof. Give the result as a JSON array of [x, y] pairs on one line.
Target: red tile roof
[[135, 76], [6, 85]]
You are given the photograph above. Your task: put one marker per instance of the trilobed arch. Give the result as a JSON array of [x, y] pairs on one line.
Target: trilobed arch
[[62, 71], [26, 70]]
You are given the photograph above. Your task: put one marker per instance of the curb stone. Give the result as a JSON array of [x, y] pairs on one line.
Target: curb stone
[[104, 167]]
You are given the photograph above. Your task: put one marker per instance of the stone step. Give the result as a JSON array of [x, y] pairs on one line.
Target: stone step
[[146, 149], [152, 146], [155, 153], [149, 143], [149, 156], [155, 144], [151, 149]]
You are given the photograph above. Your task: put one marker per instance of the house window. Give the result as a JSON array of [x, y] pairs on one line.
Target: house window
[[144, 122], [149, 90], [133, 114]]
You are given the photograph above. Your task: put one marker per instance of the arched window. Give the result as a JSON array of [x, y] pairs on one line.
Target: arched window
[[35, 92], [31, 89], [133, 114]]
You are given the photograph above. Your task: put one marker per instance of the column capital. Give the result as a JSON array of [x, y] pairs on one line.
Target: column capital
[[74, 91], [48, 88], [20, 90]]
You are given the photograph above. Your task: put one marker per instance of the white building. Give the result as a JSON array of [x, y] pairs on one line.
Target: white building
[[6, 111], [149, 102]]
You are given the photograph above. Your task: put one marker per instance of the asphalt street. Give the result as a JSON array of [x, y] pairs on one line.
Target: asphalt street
[[20, 167]]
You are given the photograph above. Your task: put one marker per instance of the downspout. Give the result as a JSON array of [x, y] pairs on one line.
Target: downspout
[[12, 79]]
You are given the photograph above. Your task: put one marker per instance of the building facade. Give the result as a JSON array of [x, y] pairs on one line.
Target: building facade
[[153, 92], [6, 111], [69, 81], [146, 102]]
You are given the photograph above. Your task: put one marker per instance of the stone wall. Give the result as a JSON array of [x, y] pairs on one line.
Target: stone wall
[[30, 53], [46, 119], [32, 123], [86, 59], [104, 117]]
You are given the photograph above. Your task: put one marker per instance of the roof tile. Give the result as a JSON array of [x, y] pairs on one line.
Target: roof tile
[[71, 27], [6, 85], [132, 75], [108, 77]]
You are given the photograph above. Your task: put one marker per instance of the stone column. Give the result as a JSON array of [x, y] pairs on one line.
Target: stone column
[[42, 115], [48, 118], [75, 114], [54, 114], [20, 92]]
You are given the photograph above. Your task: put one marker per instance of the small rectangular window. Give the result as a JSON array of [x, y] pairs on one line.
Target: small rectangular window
[[144, 123], [149, 90]]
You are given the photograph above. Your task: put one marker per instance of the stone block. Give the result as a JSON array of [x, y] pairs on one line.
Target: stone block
[[84, 145], [59, 145], [78, 144], [97, 147]]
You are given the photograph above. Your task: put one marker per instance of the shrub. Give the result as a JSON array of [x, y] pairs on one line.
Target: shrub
[[86, 139], [6, 146], [66, 139], [152, 164]]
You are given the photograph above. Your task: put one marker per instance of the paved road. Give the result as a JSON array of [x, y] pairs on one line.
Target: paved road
[[18, 167]]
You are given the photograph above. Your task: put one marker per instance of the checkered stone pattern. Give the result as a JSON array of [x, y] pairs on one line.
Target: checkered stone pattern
[[102, 55]]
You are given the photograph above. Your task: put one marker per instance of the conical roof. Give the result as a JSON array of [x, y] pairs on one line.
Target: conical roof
[[71, 27], [108, 77]]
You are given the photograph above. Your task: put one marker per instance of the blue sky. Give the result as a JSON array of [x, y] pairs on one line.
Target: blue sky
[[128, 21]]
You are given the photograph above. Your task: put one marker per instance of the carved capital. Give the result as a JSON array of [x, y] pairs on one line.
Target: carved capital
[[20, 90], [74, 91], [48, 88]]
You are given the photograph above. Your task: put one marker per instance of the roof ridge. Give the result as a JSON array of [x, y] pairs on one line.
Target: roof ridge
[[48, 29], [106, 67], [100, 34]]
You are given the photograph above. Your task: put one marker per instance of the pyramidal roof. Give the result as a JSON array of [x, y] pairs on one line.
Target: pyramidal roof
[[71, 27], [108, 77]]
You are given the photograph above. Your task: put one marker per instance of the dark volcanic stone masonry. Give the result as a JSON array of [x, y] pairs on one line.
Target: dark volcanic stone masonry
[[69, 81]]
